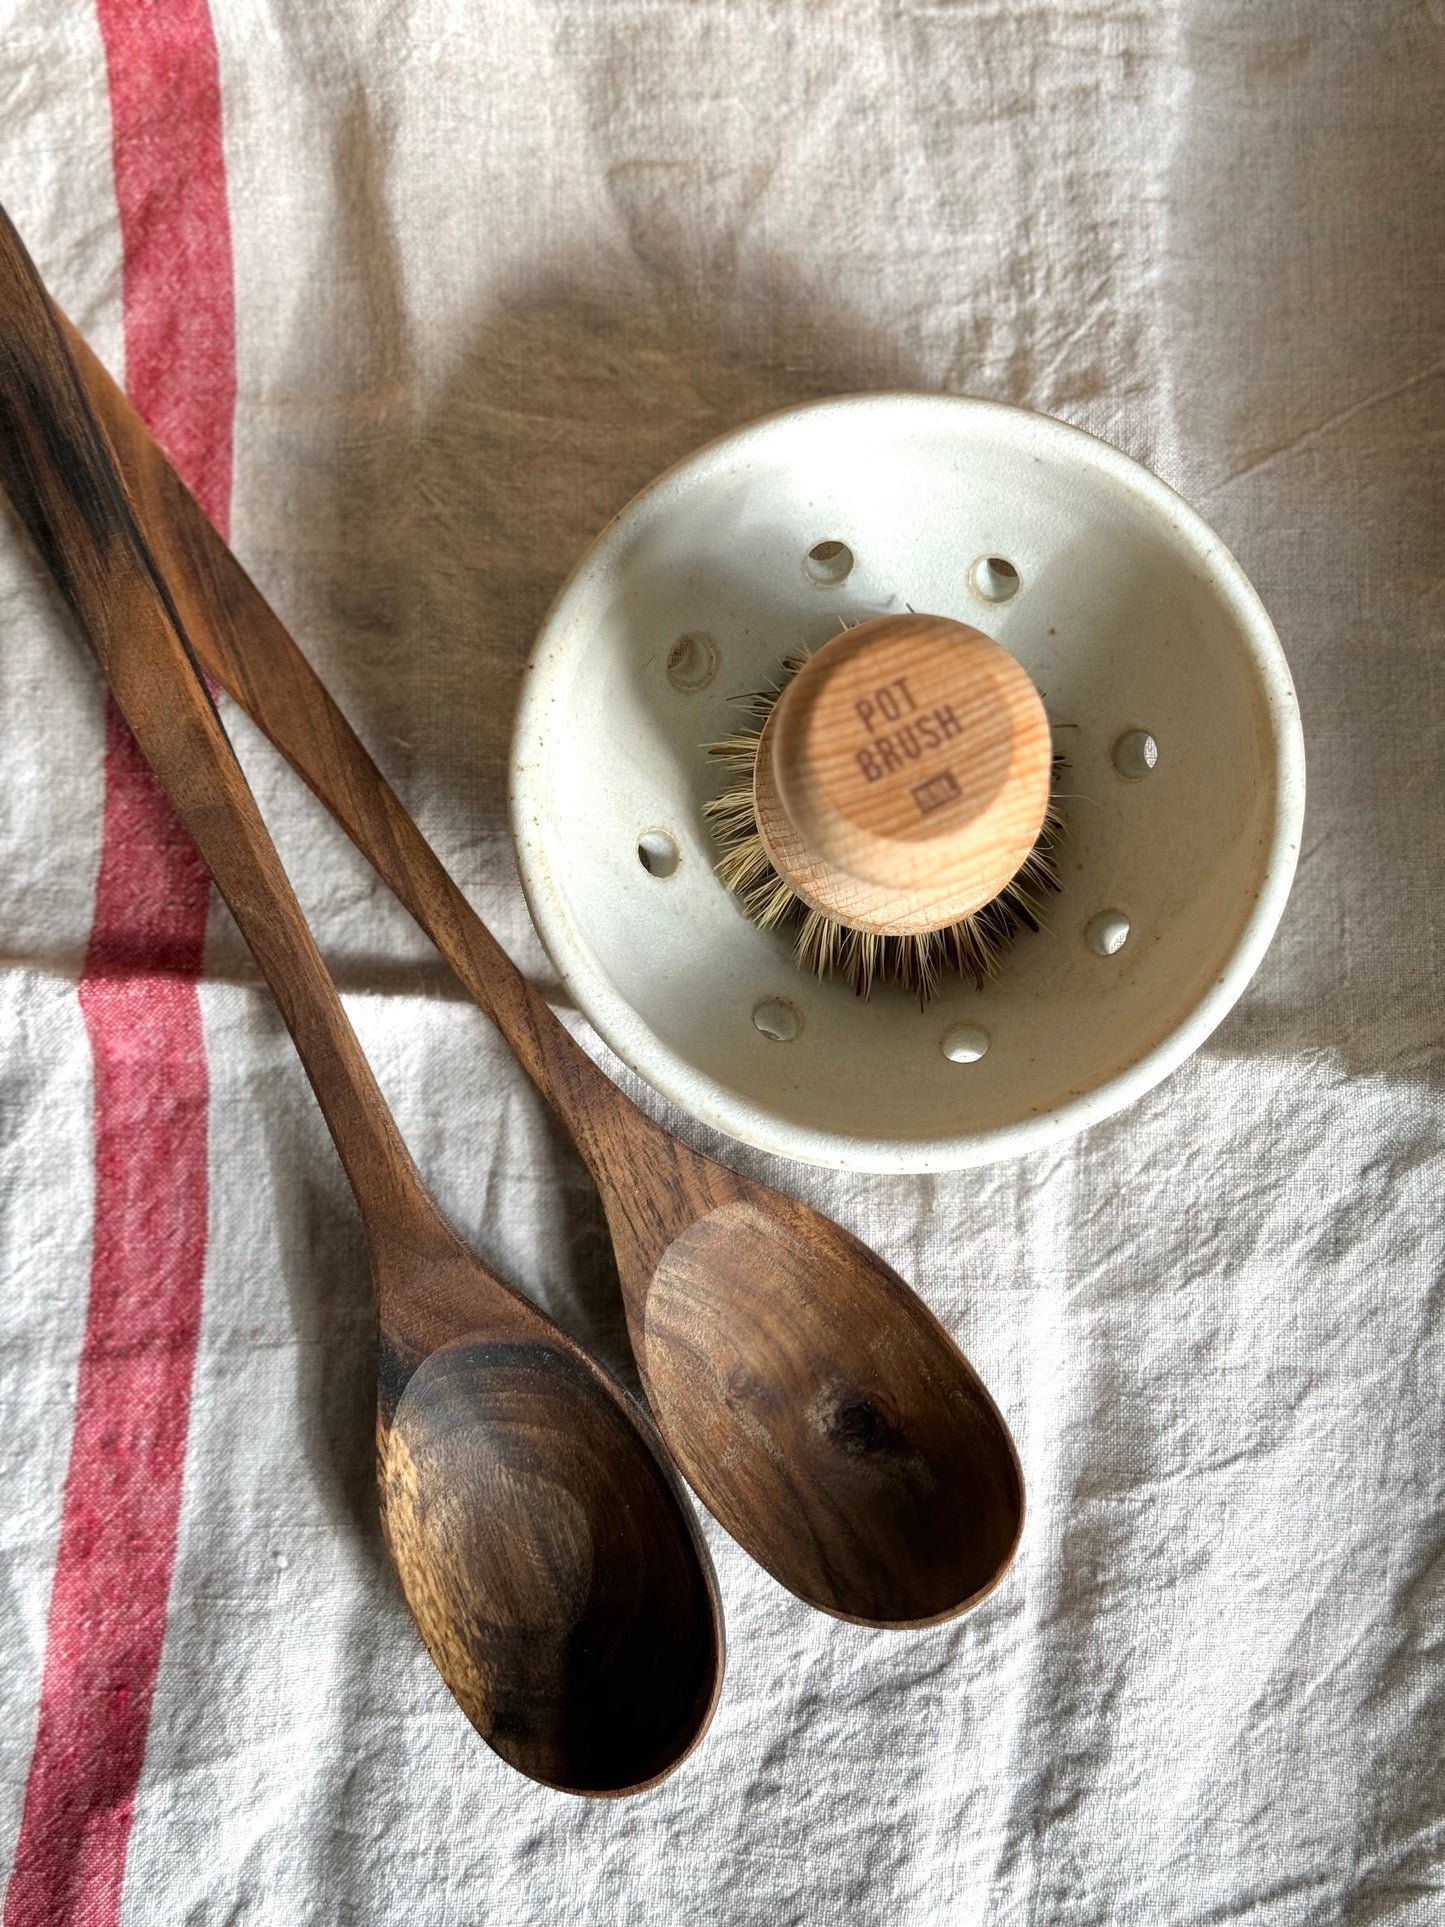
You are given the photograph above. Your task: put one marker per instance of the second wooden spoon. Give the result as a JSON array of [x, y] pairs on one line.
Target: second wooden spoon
[[813, 1401], [549, 1559]]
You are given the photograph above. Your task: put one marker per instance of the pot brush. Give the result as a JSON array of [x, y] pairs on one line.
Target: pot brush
[[891, 806]]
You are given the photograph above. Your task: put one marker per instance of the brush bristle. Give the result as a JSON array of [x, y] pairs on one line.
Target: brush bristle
[[973, 947]]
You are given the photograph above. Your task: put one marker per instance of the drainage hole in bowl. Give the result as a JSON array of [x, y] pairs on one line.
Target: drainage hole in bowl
[[1107, 933], [776, 1018], [964, 1043], [994, 578], [1135, 754], [658, 853], [692, 661], [828, 563]]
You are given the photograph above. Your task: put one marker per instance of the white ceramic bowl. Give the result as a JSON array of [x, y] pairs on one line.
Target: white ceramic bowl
[[1133, 620]]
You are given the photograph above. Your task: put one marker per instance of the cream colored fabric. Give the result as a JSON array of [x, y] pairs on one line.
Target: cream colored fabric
[[496, 266]]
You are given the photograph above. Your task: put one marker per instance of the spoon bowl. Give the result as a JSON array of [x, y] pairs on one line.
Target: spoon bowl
[[546, 1559], [822, 1411]]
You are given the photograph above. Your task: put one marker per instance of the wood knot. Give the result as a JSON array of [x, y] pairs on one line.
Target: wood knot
[[859, 1425], [742, 1386]]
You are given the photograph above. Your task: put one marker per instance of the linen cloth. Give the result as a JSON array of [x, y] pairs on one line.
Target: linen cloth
[[494, 268]]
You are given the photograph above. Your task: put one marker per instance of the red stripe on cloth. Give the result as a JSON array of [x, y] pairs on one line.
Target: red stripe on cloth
[[170, 185], [123, 1489]]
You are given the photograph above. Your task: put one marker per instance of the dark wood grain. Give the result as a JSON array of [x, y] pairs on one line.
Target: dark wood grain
[[589, 1653], [905, 1521], [548, 1555]]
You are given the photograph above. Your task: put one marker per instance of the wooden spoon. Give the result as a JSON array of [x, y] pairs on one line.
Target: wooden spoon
[[548, 1556], [817, 1406]]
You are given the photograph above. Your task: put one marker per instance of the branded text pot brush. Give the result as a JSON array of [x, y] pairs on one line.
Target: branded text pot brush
[[888, 824]]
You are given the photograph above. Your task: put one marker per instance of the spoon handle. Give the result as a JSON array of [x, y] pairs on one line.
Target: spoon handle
[[61, 476], [243, 645]]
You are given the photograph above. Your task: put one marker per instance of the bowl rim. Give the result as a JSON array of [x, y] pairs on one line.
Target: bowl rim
[[727, 1111]]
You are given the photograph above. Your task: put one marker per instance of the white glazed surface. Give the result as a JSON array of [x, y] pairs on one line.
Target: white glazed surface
[[1130, 614]]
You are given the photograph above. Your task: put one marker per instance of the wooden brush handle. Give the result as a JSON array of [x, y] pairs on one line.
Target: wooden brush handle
[[903, 775], [61, 475]]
